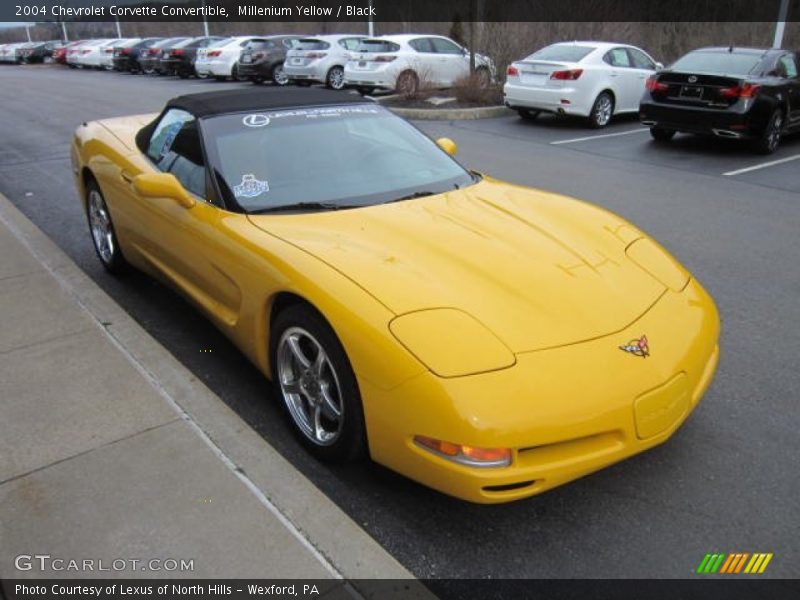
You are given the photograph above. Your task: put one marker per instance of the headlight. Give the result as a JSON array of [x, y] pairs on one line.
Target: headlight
[[450, 342]]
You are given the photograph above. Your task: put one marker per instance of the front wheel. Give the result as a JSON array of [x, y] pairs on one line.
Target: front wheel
[[102, 229], [602, 110], [316, 385], [335, 78], [770, 138], [662, 135]]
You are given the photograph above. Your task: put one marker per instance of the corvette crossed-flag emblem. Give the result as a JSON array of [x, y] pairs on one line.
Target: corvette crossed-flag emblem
[[637, 347]]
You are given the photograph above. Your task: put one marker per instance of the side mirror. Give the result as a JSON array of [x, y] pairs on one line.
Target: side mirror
[[447, 145], [162, 185], [659, 66]]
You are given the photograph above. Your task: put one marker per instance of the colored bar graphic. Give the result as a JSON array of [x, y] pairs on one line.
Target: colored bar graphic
[[734, 563]]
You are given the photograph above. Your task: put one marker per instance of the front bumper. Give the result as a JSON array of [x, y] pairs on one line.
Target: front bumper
[[564, 412], [560, 100], [742, 121]]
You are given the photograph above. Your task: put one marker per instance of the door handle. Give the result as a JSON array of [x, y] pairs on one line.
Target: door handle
[[126, 176]]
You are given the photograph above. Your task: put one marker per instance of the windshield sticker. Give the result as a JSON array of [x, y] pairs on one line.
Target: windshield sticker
[[329, 111], [250, 187], [257, 120]]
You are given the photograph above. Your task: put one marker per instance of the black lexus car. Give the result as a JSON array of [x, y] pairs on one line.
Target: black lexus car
[[179, 58], [263, 60], [126, 57], [741, 93]]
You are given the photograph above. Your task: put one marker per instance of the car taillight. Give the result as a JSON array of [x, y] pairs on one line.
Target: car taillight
[[512, 71], [315, 55], [568, 75], [384, 58], [178, 52], [654, 85], [745, 90], [213, 53], [125, 51]]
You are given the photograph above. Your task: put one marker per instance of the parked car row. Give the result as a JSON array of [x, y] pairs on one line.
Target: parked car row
[[740, 93], [29, 52], [391, 62]]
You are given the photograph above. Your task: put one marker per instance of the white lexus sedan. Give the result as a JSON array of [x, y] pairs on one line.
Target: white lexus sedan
[[587, 79], [410, 61]]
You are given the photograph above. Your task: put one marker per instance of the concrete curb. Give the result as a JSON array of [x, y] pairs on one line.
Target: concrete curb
[[451, 114], [303, 508]]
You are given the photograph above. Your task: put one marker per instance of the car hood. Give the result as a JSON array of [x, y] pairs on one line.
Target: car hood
[[540, 270]]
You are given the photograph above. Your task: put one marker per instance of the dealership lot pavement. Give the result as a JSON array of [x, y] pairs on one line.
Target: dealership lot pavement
[[726, 481]]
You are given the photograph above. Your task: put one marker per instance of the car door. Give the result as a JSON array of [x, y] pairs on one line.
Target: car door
[[453, 61], [623, 79], [426, 62], [188, 246], [788, 71], [644, 66]]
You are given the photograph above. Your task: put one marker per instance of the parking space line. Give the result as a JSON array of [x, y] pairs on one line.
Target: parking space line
[[771, 163], [597, 137]]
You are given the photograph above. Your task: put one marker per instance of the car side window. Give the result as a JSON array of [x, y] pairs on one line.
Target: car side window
[[641, 60], [787, 67], [443, 46], [350, 43], [617, 57], [422, 45], [175, 148]]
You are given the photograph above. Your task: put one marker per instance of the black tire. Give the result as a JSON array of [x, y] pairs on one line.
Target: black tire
[[407, 83], [662, 135], [350, 441], [602, 110], [235, 74], [770, 138], [111, 256], [528, 114], [335, 78], [277, 75]]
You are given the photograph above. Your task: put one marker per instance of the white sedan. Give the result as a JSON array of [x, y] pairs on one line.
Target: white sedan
[[588, 79], [407, 62], [221, 59]]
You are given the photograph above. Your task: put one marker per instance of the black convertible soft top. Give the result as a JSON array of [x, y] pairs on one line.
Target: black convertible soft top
[[233, 101], [241, 100]]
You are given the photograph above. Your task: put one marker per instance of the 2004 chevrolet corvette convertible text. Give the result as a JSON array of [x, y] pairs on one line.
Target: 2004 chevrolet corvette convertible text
[[487, 340]]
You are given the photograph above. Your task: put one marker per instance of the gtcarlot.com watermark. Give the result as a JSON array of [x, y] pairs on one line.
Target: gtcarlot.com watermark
[[46, 562]]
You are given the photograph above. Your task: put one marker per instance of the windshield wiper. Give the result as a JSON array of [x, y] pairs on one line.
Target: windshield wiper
[[421, 194], [300, 206]]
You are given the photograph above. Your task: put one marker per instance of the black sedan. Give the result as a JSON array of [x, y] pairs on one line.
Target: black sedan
[[179, 59], [150, 57], [263, 60], [126, 58], [741, 93]]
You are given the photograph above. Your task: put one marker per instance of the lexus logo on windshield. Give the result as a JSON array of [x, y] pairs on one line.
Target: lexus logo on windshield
[[256, 120], [692, 78]]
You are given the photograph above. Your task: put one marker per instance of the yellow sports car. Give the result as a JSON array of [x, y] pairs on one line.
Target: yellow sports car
[[488, 340]]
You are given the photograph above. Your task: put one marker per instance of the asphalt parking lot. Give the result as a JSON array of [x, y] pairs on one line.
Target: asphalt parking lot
[[727, 481]]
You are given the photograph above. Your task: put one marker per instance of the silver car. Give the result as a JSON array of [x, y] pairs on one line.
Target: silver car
[[320, 59]]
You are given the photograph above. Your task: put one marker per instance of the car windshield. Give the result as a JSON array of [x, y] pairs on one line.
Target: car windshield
[[312, 45], [377, 46], [716, 62], [562, 53], [336, 156]]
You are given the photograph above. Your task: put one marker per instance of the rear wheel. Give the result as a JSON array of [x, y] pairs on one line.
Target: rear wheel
[[315, 382], [770, 139], [278, 76], [662, 135], [407, 83], [528, 114], [335, 78], [102, 229], [235, 74], [602, 110]]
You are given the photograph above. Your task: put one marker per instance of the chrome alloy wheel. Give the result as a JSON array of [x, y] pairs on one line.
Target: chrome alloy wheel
[[336, 78], [100, 225], [278, 76], [603, 110], [310, 386], [774, 135]]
